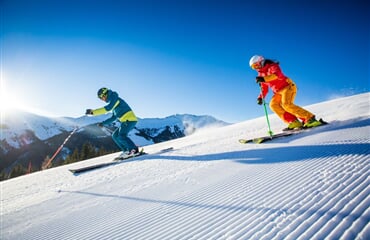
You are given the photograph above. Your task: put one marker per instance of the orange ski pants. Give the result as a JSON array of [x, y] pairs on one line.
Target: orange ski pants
[[282, 103]]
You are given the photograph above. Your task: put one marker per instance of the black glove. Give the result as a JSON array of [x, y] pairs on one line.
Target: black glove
[[100, 125], [259, 79], [259, 101], [89, 112]]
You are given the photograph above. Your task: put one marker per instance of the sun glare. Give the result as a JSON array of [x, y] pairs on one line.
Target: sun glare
[[9, 102]]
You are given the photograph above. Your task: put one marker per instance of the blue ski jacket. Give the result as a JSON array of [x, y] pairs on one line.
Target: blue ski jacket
[[119, 108]]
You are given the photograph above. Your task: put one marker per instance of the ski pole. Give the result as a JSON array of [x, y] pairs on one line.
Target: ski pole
[[60, 148], [107, 130], [270, 133], [267, 118]]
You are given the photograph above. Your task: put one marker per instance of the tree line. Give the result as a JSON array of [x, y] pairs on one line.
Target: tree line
[[87, 151]]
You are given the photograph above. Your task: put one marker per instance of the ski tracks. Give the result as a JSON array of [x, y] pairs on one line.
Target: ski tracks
[[218, 196]]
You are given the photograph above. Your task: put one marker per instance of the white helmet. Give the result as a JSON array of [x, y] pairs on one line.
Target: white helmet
[[255, 61]]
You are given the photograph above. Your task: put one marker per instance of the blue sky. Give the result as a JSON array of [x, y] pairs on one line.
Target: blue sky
[[169, 57]]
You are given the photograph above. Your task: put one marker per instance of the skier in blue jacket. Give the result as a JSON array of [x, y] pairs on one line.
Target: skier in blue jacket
[[122, 112]]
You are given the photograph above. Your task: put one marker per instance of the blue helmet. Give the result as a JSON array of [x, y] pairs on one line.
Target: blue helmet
[[102, 92]]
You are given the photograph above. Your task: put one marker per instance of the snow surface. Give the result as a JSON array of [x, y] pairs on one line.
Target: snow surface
[[314, 185]]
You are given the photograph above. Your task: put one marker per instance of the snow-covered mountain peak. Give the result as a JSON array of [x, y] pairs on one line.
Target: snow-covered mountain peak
[[15, 126]]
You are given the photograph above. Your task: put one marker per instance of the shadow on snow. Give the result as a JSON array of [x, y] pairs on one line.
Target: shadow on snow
[[278, 155], [289, 153]]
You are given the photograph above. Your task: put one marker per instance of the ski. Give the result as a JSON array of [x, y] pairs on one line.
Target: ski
[[287, 133], [116, 160], [259, 140]]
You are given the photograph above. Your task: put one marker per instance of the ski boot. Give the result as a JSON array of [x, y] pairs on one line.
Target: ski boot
[[295, 125], [312, 122]]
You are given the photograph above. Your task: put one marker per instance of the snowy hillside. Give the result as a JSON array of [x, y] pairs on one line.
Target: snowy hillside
[[313, 185]]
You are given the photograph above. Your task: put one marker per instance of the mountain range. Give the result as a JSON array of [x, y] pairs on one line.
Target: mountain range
[[28, 139]]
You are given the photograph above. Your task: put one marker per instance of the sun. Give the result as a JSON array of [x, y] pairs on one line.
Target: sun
[[14, 100], [9, 101]]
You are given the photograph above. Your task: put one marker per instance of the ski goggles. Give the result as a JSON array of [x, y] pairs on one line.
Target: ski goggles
[[256, 65], [102, 95]]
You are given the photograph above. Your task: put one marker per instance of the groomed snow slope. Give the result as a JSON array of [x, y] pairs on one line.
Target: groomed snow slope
[[314, 185]]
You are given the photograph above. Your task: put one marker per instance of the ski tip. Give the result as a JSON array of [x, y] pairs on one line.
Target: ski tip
[[322, 121], [74, 171]]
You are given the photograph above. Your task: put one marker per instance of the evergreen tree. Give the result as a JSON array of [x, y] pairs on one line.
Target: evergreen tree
[[74, 157], [3, 176], [45, 162], [87, 151], [18, 170]]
